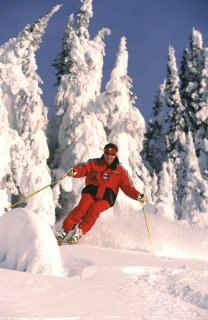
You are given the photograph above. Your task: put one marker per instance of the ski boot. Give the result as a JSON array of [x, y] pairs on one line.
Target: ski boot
[[75, 238], [60, 236]]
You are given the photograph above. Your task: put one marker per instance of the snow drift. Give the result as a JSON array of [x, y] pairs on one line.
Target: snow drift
[[28, 244]]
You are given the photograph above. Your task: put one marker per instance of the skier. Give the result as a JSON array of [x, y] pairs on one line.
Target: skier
[[104, 177]]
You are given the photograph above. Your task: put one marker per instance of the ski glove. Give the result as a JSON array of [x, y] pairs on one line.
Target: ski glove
[[71, 172], [141, 198]]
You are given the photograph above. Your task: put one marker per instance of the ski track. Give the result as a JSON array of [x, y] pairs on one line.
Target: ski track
[[146, 292], [162, 292]]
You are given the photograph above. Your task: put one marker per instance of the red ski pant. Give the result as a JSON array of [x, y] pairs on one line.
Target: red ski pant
[[85, 214]]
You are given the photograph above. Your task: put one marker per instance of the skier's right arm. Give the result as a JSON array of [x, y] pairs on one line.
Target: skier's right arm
[[80, 170]]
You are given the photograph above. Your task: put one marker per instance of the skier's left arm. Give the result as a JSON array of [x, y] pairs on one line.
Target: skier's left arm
[[127, 187]]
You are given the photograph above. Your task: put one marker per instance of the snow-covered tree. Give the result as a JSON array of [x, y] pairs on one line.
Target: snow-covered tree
[[7, 185], [84, 15], [123, 122], [82, 71], [155, 144], [201, 135], [27, 116], [194, 87], [62, 62], [176, 110], [193, 188], [154, 187], [165, 201], [81, 134], [191, 72]]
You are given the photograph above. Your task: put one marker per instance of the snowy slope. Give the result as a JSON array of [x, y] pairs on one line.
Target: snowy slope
[[106, 276], [106, 283]]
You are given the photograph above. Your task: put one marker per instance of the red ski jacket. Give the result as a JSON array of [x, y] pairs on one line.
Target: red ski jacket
[[103, 182]]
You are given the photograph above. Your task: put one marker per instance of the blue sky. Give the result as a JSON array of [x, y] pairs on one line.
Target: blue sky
[[149, 26]]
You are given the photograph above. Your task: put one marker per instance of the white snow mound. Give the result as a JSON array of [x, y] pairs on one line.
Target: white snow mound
[[28, 244]]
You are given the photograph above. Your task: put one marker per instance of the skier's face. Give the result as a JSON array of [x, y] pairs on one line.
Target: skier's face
[[109, 157]]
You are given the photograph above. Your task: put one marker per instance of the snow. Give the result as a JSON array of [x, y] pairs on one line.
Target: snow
[[108, 275], [116, 271], [28, 244], [24, 142]]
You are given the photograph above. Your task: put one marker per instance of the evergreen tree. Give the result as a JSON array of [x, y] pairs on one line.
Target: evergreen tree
[[80, 62], [165, 202], [201, 135], [155, 145], [7, 185], [176, 110], [194, 86], [123, 122], [191, 73], [184, 77], [79, 85], [27, 116], [154, 187], [84, 15], [62, 62], [193, 188]]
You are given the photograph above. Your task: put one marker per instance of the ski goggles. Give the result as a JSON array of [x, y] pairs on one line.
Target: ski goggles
[[110, 151]]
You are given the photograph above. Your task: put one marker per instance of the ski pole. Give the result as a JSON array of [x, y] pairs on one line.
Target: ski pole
[[147, 226], [32, 194]]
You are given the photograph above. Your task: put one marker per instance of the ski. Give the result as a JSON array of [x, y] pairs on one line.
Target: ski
[[62, 239], [70, 238]]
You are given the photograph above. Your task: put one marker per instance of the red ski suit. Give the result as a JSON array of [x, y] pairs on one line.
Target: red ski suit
[[102, 185]]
